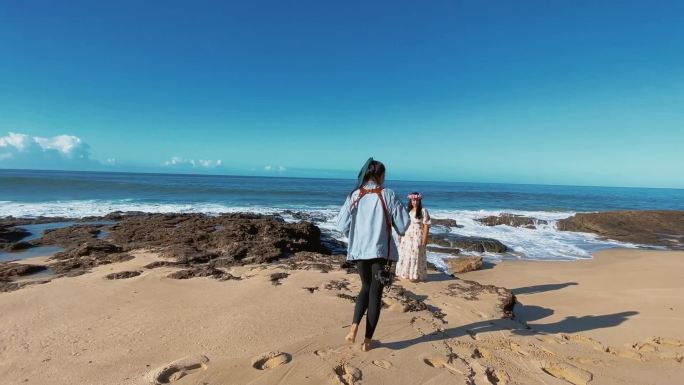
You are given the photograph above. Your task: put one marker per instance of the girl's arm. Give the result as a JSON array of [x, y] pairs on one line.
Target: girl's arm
[[426, 227], [426, 234]]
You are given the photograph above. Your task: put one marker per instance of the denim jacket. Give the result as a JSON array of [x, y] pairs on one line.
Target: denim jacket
[[365, 224]]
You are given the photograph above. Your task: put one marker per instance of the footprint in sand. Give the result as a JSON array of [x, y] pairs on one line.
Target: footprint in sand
[[270, 360], [497, 377], [441, 362], [178, 369], [569, 373], [347, 374], [382, 364]]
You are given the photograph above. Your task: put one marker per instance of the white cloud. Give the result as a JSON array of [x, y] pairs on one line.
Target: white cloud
[[271, 168], [177, 161], [61, 151]]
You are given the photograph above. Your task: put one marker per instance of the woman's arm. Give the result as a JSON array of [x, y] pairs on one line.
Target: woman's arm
[[400, 216]]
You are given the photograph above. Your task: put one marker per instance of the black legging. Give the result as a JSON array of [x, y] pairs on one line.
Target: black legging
[[370, 296]]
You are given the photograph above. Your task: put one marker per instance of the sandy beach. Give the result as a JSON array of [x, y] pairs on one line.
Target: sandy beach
[[611, 320]]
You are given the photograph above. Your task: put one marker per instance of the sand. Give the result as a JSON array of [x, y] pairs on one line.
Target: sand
[[152, 329]]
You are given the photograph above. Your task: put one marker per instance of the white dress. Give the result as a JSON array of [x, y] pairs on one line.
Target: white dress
[[412, 259]]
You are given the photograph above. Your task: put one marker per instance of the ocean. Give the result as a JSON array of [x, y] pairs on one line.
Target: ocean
[[30, 193]]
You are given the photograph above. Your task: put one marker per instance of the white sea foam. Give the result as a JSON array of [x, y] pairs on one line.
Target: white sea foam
[[543, 243]]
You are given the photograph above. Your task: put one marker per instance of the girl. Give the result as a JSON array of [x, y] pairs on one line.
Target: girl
[[367, 218], [412, 260]]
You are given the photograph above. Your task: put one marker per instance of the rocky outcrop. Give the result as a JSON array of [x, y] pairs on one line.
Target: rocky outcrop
[[444, 222], [203, 271], [512, 220], [464, 264], [444, 250], [9, 235], [462, 242], [9, 270], [658, 228], [123, 275], [196, 238]]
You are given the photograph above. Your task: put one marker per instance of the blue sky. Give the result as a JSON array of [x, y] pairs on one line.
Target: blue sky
[[580, 92]]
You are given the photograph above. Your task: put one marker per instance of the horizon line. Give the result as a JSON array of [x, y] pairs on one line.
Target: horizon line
[[328, 178]]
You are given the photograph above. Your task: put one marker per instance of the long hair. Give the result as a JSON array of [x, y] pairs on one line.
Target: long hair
[[373, 170], [419, 206]]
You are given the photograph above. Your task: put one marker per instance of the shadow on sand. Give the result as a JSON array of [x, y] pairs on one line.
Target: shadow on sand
[[521, 326]]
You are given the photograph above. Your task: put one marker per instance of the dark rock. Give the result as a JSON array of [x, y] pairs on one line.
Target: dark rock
[[123, 275], [10, 234], [277, 277], [9, 270], [96, 248], [444, 250], [69, 237], [462, 242], [18, 246], [196, 238], [302, 216], [202, 271], [512, 220], [444, 222], [647, 227], [157, 264]]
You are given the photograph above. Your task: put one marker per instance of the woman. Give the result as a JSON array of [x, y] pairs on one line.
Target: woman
[[367, 218], [412, 259]]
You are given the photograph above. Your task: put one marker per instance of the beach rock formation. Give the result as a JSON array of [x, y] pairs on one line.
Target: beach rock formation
[[196, 238], [69, 237], [123, 275], [444, 222], [513, 220], [463, 242], [444, 250], [10, 270], [9, 235], [464, 264], [199, 243], [647, 227]]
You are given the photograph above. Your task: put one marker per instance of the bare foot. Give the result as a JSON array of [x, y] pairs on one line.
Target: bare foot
[[366, 345], [351, 337]]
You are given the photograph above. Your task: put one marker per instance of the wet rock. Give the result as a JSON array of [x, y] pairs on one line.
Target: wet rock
[[448, 222], [96, 248], [444, 250], [18, 246], [648, 227], [69, 237], [9, 235], [196, 238], [10, 270], [464, 264], [123, 275], [462, 242], [203, 271], [302, 216], [513, 220]]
